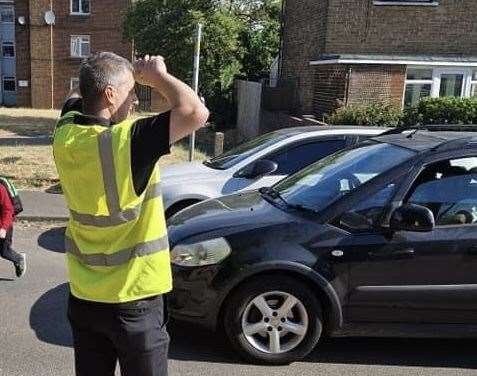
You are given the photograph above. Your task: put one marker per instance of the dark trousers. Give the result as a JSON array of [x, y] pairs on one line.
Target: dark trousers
[[132, 333], [6, 250]]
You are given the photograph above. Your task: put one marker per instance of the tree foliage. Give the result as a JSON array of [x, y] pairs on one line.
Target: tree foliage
[[240, 38]]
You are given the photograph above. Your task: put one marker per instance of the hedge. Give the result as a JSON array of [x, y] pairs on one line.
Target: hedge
[[445, 110]]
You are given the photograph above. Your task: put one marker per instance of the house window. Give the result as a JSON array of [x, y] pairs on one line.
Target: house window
[[80, 46], [80, 7], [74, 83], [439, 82], [7, 14], [473, 84], [418, 85], [8, 49], [9, 84]]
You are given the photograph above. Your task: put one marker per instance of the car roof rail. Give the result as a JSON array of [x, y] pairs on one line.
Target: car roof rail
[[434, 128]]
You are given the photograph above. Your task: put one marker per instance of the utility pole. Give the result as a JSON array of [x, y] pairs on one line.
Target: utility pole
[[195, 83]]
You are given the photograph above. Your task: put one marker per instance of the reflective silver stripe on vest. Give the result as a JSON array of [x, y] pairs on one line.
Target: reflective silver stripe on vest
[[120, 257], [116, 215], [109, 172], [117, 218]]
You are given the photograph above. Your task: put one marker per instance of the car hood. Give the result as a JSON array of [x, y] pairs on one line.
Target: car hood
[[225, 215], [187, 171]]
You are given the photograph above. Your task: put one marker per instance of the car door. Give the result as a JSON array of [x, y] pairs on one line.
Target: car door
[[289, 159], [414, 277]]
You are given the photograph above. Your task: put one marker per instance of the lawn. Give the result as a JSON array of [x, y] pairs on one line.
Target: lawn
[[32, 167]]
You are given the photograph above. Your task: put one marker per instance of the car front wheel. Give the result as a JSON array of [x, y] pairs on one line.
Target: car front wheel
[[273, 320]]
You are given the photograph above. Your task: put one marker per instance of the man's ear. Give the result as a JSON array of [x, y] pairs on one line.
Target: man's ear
[[110, 94]]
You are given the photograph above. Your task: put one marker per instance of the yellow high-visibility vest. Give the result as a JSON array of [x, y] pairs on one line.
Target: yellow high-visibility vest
[[116, 242]]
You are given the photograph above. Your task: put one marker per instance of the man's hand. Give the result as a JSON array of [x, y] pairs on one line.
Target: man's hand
[[3, 233], [149, 70]]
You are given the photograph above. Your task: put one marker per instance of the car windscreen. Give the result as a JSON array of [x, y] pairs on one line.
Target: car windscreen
[[329, 179], [245, 150]]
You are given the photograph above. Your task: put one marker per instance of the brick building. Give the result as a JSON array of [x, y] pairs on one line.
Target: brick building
[[341, 52], [43, 64]]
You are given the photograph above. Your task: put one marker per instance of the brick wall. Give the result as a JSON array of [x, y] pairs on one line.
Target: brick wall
[[22, 40], [358, 26], [330, 87], [34, 59], [104, 28], [303, 38], [376, 83]]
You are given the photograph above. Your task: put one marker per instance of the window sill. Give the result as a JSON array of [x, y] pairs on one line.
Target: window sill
[[406, 3], [80, 14], [78, 57]]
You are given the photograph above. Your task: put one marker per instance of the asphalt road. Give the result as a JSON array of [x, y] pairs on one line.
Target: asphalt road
[[35, 338]]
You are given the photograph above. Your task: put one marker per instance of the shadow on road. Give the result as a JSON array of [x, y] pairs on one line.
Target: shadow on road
[[53, 240], [450, 353], [6, 279], [190, 343], [48, 317]]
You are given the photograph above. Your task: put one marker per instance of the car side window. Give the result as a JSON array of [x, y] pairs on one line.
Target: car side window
[[367, 214], [449, 189], [298, 157]]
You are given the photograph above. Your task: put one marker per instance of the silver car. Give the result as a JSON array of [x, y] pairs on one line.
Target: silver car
[[258, 163]]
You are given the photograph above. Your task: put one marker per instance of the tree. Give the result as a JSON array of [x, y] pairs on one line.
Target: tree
[[240, 38]]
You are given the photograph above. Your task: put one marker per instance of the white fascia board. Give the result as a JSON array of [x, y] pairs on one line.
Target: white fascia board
[[395, 62]]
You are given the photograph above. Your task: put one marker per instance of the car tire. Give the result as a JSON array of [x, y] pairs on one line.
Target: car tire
[[274, 290]]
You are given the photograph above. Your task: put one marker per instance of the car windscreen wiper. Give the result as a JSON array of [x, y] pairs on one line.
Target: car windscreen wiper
[[274, 194]]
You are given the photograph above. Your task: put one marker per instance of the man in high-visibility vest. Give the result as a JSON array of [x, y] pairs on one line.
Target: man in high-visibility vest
[[116, 239]]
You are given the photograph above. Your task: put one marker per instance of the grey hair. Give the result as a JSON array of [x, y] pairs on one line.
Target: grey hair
[[99, 71]]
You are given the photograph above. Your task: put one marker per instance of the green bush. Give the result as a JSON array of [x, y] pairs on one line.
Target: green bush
[[378, 115], [445, 110]]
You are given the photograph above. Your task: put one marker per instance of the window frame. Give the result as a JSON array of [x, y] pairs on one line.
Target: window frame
[[74, 79], [291, 145], [9, 78], [425, 3], [435, 82], [10, 7], [81, 56], [403, 195], [9, 43], [80, 13]]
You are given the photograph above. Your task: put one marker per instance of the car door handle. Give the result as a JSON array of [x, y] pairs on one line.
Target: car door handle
[[401, 253]]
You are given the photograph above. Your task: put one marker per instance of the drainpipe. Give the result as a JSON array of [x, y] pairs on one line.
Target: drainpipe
[[348, 80], [282, 27]]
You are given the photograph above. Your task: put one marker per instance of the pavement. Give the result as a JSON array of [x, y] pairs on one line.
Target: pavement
[[35, 339], [42, 206]]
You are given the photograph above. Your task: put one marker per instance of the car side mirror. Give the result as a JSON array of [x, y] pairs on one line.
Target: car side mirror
[[414, 218], [355, 221], [258, 169]]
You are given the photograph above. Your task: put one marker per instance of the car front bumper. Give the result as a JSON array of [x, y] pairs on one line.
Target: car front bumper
[[195, 298]]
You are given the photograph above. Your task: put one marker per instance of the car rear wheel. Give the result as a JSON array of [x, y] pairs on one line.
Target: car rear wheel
[[273, 320]]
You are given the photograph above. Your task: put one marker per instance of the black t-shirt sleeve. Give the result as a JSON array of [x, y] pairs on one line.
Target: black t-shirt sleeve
[[72, 104], [150, 140]]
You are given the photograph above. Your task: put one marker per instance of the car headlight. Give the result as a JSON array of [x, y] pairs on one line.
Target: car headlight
[[208, 252]]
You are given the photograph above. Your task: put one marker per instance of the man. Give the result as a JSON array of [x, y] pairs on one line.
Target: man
[[116, 240], [6, 234]]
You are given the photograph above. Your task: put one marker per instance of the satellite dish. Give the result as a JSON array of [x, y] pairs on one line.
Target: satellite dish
[[22, 20], [50, 17]]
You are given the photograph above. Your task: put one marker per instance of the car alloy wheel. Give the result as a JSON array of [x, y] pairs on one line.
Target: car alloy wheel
[[275, 322]]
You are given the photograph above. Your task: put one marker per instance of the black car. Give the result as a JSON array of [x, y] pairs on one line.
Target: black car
[[378, 239]]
